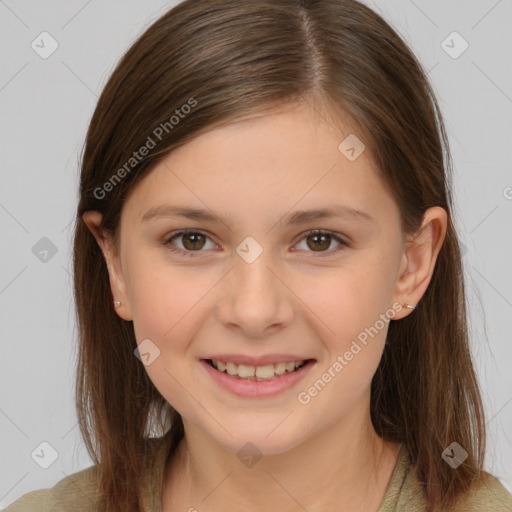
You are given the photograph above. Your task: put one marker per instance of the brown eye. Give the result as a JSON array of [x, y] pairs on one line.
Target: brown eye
[[193, 241], [318, 241]]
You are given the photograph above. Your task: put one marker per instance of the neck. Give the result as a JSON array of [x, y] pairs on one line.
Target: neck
[[345, 468]]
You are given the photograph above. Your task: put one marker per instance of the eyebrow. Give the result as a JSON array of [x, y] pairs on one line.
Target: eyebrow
[[295, 218]]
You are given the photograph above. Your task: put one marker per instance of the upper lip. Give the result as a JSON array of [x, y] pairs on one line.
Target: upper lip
[[256, 361]]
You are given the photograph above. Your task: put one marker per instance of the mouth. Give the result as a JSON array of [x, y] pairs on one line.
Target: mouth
[[262, 373]]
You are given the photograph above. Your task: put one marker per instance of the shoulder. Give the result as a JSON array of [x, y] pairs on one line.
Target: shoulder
[[489, 495], [76, 492]]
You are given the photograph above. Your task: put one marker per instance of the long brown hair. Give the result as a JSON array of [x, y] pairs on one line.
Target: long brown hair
[[229, 60]]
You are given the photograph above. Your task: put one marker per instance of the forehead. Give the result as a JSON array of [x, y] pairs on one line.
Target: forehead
[[271, 162]]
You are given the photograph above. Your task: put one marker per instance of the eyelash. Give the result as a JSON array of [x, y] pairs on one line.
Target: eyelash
[[343, 243]]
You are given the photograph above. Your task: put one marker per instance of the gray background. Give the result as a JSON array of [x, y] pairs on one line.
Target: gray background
[[46, 105]]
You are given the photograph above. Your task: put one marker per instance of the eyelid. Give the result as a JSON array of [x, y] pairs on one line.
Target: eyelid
[[335, 236], [343, 242], [176, 234]]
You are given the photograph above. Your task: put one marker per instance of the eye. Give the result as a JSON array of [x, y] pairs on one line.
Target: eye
[[322, 240], [194, 241]]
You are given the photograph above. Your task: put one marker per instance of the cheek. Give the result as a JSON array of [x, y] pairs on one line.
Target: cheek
[[170, 305], [349, 298], [352, 317], [160, 293], [164, 302], [168, 309], [352, 307]]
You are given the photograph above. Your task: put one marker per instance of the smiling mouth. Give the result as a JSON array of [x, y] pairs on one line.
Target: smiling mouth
[[257, 373]]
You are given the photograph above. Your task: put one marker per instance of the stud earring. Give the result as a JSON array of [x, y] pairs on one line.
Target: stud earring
[[408, 306], [117, 303]]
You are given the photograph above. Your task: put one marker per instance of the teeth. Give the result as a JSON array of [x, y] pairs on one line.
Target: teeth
[[263, 372], [258, 373], [280, 368], [231, 368], [244, 370]]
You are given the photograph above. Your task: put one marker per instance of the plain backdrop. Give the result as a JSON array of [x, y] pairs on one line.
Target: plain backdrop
[[46, 104]]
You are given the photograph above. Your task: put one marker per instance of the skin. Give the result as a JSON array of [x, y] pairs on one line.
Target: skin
[[324, 455]]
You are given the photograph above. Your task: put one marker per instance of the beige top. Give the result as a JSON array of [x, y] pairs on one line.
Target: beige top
[[77, 493]]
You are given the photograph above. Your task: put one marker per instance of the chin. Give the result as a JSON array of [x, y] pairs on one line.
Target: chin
[[261, 439]]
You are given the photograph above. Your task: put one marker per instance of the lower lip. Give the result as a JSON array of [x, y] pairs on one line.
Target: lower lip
[[257, 389]]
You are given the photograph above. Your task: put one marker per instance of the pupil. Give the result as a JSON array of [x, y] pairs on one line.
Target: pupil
[[194, 243], [324, 240]]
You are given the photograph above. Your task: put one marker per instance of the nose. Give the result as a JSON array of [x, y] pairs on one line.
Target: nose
[[255, 298]]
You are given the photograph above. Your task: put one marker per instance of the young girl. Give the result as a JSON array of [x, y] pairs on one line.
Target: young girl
[[268, 282]]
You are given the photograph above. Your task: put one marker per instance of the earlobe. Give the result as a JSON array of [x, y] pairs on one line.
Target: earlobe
[[419, 260], [93, 221]]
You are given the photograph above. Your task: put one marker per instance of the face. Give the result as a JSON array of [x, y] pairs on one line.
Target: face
[[256, 283]]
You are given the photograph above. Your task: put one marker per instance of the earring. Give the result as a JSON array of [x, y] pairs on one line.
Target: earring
[[408, 306], [117, 303]]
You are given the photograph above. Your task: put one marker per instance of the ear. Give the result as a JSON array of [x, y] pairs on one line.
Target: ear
[[419, 259], [93, 220]]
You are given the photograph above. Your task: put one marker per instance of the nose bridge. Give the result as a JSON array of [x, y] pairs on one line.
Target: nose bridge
[[255, 298], [252, 265]]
